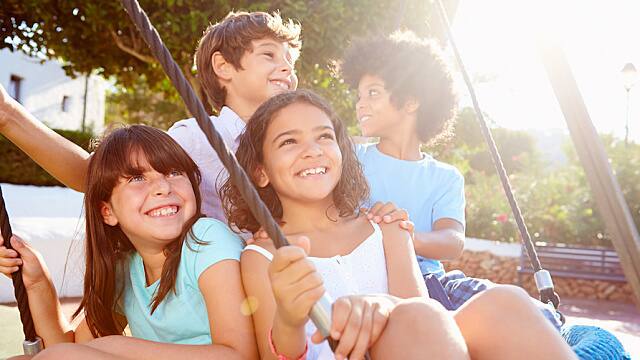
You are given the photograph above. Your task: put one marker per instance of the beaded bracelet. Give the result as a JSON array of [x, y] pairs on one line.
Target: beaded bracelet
[[282, 357]]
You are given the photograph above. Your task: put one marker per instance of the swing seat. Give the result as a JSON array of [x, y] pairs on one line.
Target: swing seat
[[594, 343]]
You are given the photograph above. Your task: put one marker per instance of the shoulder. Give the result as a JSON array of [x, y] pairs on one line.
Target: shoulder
[[213, 237], [442, 169]]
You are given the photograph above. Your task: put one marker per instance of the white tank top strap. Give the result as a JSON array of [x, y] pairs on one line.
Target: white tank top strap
[[259, 249], [377, 232]]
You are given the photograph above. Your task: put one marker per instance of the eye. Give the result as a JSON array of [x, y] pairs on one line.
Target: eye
[[328, 136], [174, 173], [135, 178], [268, 54], [373, 92], [289, 141]]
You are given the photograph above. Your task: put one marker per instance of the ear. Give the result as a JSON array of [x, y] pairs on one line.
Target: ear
[[412, 105], [262, 179], [221, 67], [108, 216]]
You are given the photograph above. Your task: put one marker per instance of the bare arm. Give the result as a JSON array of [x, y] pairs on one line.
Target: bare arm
[[61, 158], [445, 242], [403, 273]]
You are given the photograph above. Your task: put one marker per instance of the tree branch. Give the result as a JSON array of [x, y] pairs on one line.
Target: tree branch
[[142, 57]]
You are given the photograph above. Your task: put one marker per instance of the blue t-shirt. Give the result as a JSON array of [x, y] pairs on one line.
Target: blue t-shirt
[[428, 189], [181, 317]]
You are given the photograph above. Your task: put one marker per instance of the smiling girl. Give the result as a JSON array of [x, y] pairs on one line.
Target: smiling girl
[[152, 262], [305, 169]]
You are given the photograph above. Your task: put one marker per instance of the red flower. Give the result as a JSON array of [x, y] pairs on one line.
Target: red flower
[[503, 218]]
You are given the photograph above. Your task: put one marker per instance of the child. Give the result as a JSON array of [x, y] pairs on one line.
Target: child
[[307, 174], [241, 61], [152, 262], [406, 99]]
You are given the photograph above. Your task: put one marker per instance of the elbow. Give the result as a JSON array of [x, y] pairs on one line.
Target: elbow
[[457, 239]]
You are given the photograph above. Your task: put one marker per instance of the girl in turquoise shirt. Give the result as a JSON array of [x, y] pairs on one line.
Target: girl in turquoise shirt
[[152, 263]]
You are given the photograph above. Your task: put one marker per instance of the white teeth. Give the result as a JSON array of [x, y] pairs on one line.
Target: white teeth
[[164, 211], [313, 171], [281, 84], [365, 118]]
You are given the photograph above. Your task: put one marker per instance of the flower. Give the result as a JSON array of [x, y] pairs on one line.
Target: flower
[[503, 218]]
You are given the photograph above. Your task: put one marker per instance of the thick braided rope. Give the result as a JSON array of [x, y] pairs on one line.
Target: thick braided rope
[[548, 294], [18, 286], [173, 71]]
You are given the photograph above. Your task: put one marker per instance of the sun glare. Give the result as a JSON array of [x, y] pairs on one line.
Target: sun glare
[[497, 43]]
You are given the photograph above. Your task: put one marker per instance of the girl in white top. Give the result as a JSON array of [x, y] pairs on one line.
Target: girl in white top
[[302, 162]]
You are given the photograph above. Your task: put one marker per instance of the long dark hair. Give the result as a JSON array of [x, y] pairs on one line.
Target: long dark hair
[[349, 193], [107, 247]]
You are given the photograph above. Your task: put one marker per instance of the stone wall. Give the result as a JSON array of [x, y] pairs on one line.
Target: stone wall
[[503, 270]]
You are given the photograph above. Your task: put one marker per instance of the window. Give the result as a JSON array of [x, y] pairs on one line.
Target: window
[[15, 85], [66, 103]]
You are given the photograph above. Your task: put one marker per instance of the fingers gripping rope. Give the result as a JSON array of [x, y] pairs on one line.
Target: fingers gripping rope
[[321, 312], [32, 344]]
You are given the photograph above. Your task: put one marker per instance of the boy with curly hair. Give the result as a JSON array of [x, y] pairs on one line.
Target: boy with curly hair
[[406, 99]]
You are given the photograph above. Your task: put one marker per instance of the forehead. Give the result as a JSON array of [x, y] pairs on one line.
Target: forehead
[[298, 117], [368, 81], [274, 44]]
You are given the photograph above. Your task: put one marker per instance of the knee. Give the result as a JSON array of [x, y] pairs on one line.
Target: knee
[[504, 298], [421, 315]]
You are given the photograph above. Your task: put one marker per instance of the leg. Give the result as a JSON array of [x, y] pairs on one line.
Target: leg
[[420, 329], [72, 351], [503, 323], [460, 288]]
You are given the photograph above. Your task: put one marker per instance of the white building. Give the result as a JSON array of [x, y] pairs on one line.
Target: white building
[[53, 97]]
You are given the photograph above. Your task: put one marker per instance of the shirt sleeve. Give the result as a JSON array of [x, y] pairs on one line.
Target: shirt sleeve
[[181, 133], [451, 204], [217, 243]]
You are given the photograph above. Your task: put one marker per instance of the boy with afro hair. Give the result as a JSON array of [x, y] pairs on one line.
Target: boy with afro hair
[[406, 99]]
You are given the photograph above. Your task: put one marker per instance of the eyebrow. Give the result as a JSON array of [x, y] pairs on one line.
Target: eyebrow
[[295, 131]]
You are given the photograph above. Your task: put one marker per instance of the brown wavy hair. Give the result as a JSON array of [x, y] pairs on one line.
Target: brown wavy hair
[[107, 248], [349, 193], [232, 38], [410, 68]]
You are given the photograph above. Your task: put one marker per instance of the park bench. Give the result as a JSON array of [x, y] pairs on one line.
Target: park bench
[[575, 262]]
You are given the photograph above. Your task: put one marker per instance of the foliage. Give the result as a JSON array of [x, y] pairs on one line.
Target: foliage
[[17, 168], [98, 36]]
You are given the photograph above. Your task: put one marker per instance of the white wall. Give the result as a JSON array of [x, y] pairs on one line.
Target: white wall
[[43, 87]]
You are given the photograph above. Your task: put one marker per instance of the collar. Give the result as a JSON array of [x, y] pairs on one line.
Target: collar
[[229, 122]]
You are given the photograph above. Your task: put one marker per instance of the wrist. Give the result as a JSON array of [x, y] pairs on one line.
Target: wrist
[[290, 340]]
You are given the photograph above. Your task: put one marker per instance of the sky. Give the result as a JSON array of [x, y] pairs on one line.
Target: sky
[[496, 40]]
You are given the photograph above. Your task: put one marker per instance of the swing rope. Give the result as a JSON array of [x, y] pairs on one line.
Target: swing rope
[[321, 312], [32, 343], [542, 277]]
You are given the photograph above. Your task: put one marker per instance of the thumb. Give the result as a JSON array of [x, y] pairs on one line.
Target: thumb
[[21, 246], [317, 337], [301, 241]]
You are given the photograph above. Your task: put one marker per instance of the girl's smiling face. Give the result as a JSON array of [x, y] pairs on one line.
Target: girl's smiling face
[[150, 207], [302, 159]]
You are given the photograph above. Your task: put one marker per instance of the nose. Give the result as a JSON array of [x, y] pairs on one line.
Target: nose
[[161, 186], [313, 149], [286, 65]]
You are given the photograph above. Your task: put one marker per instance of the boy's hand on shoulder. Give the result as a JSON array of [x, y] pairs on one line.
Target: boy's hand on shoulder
[[34, 271], [295, 283], [389, 213], [357, 323]]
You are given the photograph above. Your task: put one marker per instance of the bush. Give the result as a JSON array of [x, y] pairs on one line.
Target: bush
[[17, 168]]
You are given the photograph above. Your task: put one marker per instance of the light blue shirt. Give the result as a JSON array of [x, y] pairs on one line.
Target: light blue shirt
[[428, 189], [181, 317]]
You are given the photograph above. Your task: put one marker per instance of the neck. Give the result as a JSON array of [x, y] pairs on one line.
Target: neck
[[296, 216], [153, 259], [399, 147], [243, 108]]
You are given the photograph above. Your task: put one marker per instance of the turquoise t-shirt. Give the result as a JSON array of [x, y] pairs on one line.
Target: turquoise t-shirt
[[428, 189], [181, 317]]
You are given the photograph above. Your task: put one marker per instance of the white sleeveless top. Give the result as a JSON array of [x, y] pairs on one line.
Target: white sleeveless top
[[363, 271]]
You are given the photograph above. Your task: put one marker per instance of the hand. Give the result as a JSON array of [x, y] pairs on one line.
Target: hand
[[389, 213], [295, 283], [357, 323], [33, 269], [260, 235]]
